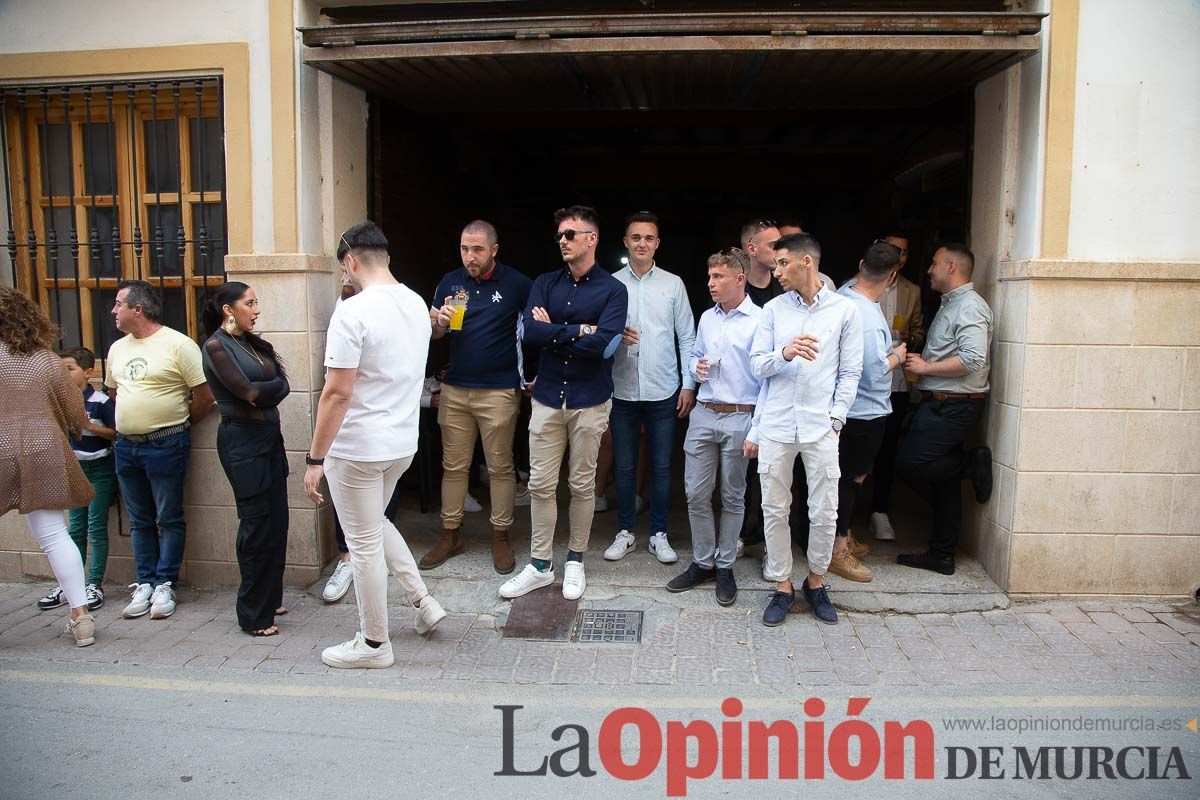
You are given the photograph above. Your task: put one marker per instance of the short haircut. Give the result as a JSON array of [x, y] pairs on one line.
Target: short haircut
[[366, 239], [85, 358], [749, 229], [145, 295], [482, 226], [800, 244], [961, 254], [582, 213], [879, 260], [642, 216], [733, 257]]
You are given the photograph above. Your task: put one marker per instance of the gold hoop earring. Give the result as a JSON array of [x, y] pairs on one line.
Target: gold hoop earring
[[230, 324]]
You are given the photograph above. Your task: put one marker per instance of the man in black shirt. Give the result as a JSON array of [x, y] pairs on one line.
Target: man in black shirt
[[757, 236]]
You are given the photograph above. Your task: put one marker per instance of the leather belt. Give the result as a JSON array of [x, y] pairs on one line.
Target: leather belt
[[954, 395], [728, 408], [161, 433]]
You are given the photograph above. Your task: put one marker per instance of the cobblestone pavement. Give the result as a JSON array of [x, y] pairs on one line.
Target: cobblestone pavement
[[1029, 643]]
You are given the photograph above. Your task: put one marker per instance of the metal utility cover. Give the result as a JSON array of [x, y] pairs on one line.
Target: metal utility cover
[[543, 614], [609, 627]]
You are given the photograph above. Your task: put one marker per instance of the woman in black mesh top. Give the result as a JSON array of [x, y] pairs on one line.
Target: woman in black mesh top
[[248, 381]]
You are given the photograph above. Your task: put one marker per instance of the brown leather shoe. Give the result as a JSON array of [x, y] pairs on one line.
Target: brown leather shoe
[[858, 549], [449, 544], [502, 554], [847, 566]]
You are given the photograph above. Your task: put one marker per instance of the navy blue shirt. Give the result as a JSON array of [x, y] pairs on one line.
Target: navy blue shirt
[[100, 410], [486, 353], [575, 370]]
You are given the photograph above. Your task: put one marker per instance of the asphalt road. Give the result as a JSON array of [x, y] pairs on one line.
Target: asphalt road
[[89, 731]]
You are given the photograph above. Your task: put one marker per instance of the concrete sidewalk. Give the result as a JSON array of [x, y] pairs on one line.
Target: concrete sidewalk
[[692, 644]]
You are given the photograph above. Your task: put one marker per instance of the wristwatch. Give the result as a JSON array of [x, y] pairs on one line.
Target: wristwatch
[[313, 462], [586, 330], [837, 425]]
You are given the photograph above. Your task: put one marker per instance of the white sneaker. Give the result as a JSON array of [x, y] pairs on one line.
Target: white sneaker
[[526, 581], [522, 498], [471, 505], [82, 630], [741, 548], [339, 582], [662, 549], [162, 602], [573, 580], [429, 614], [620, 546], [357, 654], [601, 503], [139, 603], [881, 526]]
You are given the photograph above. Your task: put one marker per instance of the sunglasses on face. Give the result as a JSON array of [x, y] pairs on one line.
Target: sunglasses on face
[[569, 234]]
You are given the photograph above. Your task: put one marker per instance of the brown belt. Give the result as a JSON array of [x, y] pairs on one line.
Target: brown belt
[[955, 395], [727, 408]]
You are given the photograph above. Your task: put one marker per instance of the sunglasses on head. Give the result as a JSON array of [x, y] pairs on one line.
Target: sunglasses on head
[[569, 234], [763, 224], [902, 250]]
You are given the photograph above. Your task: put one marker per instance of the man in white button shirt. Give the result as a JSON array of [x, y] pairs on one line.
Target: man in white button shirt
[[808, 352], [657, 339], [717, 430]]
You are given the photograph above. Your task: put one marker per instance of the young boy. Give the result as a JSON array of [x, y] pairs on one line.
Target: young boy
[[94, 451]]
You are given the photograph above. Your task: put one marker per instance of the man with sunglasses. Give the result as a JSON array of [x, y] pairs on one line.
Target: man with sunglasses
[[575, 315], [658, 338], [757, 237]]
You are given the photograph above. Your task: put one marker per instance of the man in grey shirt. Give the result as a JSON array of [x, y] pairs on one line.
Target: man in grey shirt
[[952, 374]]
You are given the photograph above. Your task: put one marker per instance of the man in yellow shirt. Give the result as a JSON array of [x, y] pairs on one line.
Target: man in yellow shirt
[[159, 388]]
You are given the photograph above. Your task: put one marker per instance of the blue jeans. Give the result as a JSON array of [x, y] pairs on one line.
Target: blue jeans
[[151, 478], [628, 417]]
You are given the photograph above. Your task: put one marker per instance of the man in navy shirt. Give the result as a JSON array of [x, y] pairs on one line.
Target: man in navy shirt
[[575, 315], [481, 393]]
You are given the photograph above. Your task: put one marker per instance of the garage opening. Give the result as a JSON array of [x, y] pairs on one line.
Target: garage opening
[[853, 123]]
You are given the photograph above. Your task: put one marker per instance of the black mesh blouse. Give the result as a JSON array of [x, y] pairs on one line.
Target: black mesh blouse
[[245, 381]]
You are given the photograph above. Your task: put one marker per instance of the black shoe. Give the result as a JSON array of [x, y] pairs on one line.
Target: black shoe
[[979, 469], [818, 600], [726, 587], [54, 599], [777, 608], [929, 561], [691, 577]]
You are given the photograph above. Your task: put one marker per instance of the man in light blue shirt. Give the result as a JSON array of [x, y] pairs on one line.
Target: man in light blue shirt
[[864, 429], [808, 353], [717, 429], [646, 384]]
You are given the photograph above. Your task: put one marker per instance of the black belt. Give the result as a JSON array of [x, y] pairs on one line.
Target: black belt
[[161, 433]]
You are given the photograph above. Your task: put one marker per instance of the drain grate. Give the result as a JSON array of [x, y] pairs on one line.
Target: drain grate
[[609, 627]]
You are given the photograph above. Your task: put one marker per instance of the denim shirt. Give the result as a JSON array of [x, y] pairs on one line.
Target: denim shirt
[[575, 371]]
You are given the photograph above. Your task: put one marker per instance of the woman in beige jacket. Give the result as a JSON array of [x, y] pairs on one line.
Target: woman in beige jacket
[[39, 474]]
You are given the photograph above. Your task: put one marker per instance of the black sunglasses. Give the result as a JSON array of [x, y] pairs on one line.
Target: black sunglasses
[[902, 250], [569, 234]]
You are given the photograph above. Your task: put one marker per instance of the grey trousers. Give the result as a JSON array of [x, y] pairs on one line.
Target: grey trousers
[[715, 439]]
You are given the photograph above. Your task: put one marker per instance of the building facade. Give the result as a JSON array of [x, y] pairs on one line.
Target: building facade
[[191, 143]]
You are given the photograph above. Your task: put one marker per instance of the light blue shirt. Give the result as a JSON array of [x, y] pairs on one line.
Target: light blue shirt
[[659, 309], [800, 399], [874, 397], [728, 337]]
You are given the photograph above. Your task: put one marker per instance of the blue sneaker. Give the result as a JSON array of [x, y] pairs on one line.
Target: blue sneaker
[[819, 600], [777, 608]]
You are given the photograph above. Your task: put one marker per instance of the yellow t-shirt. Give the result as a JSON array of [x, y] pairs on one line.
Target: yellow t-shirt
[[152, 377]]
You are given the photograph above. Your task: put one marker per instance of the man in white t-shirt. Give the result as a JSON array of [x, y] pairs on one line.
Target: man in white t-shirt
[[366, 436]]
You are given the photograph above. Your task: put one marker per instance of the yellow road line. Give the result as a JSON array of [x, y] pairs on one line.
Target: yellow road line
[[468, 694]]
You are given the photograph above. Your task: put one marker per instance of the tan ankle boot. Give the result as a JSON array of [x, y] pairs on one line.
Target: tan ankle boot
[[502, 554], [449, 544]]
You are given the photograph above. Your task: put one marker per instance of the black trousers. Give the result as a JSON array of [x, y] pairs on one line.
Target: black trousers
[[885, 462], [933, 451], [857, 447], [252, 455]]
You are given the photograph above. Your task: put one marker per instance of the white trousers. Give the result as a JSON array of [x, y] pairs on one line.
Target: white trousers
[[360, 492], [775, 474], [49, 529]]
